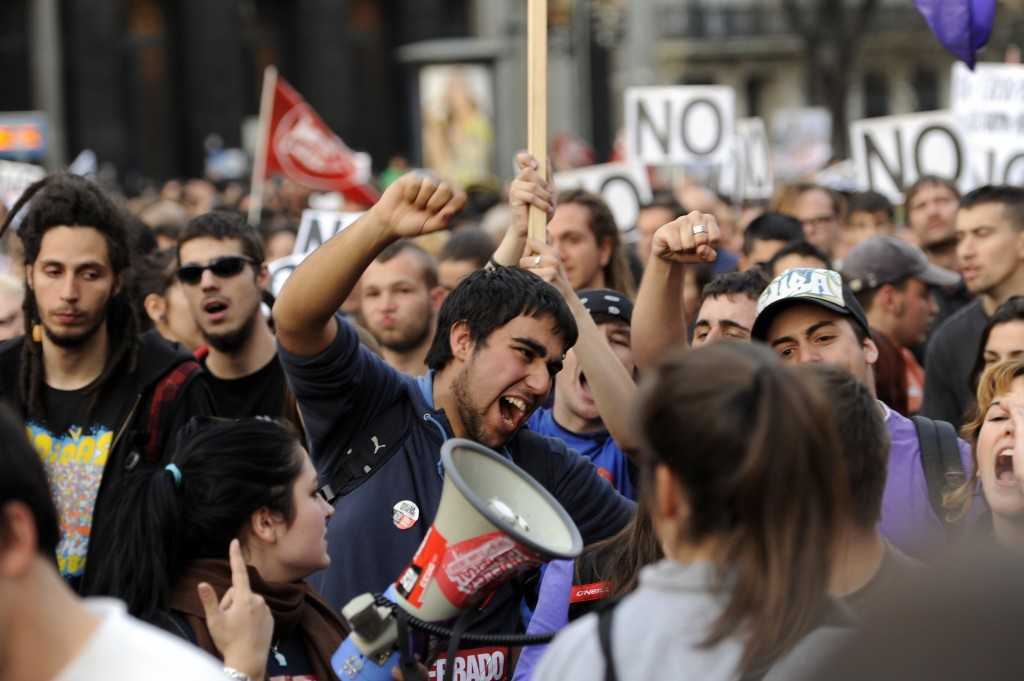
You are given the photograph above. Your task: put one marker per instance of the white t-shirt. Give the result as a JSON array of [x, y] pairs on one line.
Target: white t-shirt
[[125, 649]]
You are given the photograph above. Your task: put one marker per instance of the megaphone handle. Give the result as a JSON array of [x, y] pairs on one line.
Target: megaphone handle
[[406, 658], [458, 629]]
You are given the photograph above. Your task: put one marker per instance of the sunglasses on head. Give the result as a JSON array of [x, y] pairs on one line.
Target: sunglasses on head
[[225, 266]]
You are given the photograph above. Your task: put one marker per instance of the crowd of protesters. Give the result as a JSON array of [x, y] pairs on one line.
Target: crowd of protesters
[[768, 425]]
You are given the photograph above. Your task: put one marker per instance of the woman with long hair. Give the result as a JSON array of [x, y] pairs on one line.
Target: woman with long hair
[[1002, 339], [746, 485], [246, 479], [996, 434]]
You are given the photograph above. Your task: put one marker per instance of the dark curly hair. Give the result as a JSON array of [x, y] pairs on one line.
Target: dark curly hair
[[66, 199]]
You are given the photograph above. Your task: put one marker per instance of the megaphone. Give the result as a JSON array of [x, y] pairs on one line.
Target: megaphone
[[493, 522]]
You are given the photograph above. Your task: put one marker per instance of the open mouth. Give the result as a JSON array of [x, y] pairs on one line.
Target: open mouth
[[513, 409], [214, 307], [1004, 468]]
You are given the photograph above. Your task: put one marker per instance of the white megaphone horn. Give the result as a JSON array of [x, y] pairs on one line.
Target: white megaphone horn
[[493, 522]]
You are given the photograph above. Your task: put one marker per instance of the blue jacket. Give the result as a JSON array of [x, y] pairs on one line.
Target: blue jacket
[[340, 393]]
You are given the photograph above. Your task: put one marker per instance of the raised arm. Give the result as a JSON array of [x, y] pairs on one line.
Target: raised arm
[[304, 312], [528, 189], [610, 383], [659, 320]]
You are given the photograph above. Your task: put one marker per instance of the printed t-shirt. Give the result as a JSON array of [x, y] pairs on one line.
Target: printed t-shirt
[[74, 447]]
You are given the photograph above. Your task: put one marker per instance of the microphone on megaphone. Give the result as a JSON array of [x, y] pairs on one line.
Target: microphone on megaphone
[[493, 522]]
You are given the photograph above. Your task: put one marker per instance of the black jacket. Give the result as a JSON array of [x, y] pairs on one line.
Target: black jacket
[[157, 359]]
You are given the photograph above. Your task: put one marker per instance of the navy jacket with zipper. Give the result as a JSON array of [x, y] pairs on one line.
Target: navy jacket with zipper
[[341, 392]]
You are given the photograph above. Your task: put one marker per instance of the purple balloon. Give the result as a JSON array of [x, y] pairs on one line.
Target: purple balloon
[[962, 26]]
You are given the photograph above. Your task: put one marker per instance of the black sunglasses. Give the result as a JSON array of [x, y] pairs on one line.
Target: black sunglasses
[[225, 266]]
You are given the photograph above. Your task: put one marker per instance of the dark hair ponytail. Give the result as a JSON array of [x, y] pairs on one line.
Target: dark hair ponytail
[[763, 475], [228, 469]]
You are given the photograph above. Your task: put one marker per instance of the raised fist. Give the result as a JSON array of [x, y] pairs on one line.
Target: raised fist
[[417, 203]]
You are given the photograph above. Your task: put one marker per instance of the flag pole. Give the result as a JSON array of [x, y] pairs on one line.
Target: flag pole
[[537, 102], [259, 166]]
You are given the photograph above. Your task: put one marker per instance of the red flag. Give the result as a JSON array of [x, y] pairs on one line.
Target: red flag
[[300, 146]]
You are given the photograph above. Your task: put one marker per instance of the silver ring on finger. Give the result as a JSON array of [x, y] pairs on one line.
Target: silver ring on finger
[[536, 261], [700, 229]]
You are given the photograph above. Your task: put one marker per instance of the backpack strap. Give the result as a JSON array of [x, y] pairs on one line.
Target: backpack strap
[[604, 637], [165, 394], [370, 448], [940, 460]]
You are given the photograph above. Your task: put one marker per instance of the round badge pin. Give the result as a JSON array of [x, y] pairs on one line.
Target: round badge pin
[[405, 514]]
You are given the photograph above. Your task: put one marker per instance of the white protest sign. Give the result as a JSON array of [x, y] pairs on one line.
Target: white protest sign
[[623, 186], [679, 125], [317, 226], [281, 269], [988, 107], [15, 179], [748, 174], [892, 152]]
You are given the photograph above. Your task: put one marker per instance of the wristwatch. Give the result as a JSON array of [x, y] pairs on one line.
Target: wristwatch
[[236, 675]]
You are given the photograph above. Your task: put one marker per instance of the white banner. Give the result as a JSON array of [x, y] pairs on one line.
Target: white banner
[[748, 174], [679, 125], [623, 186], [988, 106], [892, 152], [317, 226], [281, 269], [15, 179]]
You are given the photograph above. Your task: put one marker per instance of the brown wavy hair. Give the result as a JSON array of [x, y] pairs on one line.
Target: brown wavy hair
[[754, 445], [617, 275], [994, 381]]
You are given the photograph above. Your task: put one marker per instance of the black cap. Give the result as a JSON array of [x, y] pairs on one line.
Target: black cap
[[608, 302]]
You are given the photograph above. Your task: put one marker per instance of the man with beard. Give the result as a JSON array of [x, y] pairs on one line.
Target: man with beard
[[931, 205], [400, 299], [990, 251], [97, 397], [376, 434], [221, 269]]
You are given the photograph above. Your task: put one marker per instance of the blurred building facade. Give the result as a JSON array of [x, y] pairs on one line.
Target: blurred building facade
[[144, 83]]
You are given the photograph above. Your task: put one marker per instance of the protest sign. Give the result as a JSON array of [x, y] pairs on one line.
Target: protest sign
[[317, 226], [623, 186], [747, 175], [281, 269], [988, 107], [679, 125], [892, 152], [15, 178]]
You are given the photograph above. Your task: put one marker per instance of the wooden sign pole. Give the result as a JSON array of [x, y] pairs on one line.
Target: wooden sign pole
[[537, 101]]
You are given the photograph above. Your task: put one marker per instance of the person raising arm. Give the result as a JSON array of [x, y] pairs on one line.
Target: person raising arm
[[304, 312], [659, 321]]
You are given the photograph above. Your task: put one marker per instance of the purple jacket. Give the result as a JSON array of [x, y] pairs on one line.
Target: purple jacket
[[908, 520]]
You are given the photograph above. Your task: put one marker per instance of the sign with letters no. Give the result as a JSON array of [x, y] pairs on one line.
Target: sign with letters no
[[892, 152], [623, 186], [679, 125]]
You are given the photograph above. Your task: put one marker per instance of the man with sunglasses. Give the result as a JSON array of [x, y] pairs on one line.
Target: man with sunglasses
[[221, 269]]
